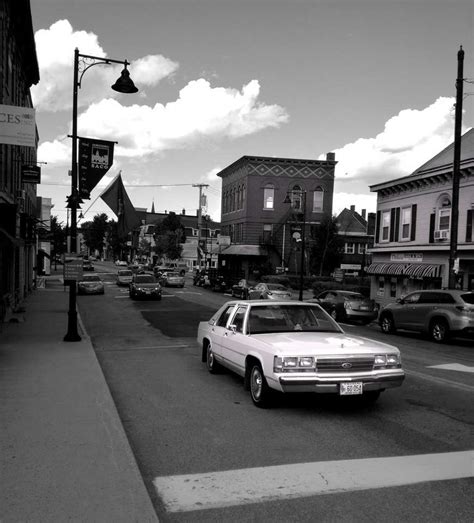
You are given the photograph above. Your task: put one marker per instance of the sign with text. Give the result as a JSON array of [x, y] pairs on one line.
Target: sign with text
[[406, 257], [95, 159], [30, 174], [17, 125], [72, 269]]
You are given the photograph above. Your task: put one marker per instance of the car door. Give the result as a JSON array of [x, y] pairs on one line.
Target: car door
[[234, 341], [219, 330], [406, 311]]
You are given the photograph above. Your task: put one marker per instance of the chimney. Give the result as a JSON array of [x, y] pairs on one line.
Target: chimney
[[330, 157], [353, 208], [363, 213], [183, 212]]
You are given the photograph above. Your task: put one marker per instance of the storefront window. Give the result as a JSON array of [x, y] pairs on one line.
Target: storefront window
[[381, 289]]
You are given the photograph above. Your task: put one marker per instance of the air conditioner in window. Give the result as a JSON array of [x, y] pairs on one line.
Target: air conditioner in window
[[441, 235]]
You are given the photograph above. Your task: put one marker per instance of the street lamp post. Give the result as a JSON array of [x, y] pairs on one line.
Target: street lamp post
[[302, 194], [124, 84]]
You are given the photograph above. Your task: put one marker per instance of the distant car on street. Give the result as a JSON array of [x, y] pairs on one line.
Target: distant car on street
[[124, 277], [87, 265], [171, 279], [241, 290], [144, 286], [121, 263], [269, 291], [438, 313], [347, 306], [90, 284], [295, 347]]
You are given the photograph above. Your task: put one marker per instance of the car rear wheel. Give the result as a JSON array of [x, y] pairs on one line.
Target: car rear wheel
[[212, 366], [260, 392], [387, 324], [439, 331]]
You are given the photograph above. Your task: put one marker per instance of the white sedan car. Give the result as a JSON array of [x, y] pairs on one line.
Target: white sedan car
[[295, 347]]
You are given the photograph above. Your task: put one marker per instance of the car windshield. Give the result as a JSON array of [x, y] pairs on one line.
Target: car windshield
[[125, 273], [468, 298], [353, 296], [90, 278], [172, 275], [276, 287], [145, 278], [285, 318]]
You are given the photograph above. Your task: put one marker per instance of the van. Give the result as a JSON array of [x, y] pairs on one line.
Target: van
[[176, 266]]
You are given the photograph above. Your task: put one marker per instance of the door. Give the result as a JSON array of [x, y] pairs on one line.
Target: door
[[219, 330], [234, 341], [406, 310]]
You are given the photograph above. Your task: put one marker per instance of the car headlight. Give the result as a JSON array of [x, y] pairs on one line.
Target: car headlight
[[294, 364], [387, 360]]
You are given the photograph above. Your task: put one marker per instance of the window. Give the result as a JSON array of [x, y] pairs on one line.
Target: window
[[362, 248], [406, 223], [222, 321], [318, 197], [267, 232], [381, 287], [393, 287], [349, 248], [385, 226], [297, 198], [412, 298], [444, 219], [238, 320], [268, 197]]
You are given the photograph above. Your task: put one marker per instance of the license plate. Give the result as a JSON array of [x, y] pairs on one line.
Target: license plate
[[348, 389], [364, 308]]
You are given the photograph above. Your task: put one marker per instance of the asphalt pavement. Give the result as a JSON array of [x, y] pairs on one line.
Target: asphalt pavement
[[64, 452]]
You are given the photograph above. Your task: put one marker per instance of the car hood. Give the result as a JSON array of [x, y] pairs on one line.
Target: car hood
[[321, 343]]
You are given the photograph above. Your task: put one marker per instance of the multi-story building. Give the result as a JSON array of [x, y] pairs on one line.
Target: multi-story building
[[18, 72], [267, 205], [413, 227], [357, 237]]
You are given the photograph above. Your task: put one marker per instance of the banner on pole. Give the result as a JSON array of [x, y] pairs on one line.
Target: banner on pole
[[95, 159]]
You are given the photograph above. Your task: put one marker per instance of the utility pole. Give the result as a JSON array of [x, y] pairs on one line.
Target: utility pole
[[456, 171], [200, 185]]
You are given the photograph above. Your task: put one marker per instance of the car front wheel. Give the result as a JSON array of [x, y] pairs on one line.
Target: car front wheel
[[439, 331], [260, 392], [212, 366], [387, 324]]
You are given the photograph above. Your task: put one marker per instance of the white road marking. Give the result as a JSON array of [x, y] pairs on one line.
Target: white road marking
[[453, 366], [239, 487]]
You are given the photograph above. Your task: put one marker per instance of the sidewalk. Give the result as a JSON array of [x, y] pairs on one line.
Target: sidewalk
[[64, 452]]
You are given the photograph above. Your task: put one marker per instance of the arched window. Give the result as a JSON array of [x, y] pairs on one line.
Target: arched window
[[268, 197], [243, 196], [443, 214], [318, 199]]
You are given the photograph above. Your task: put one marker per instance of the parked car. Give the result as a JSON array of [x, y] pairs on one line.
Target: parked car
[[124, 277], [438, 313], [90, 284], [269, 291], [87, 265], [295, 347], [241, 290], [171, 279], [348, 306], [144, 286], [179, 266]]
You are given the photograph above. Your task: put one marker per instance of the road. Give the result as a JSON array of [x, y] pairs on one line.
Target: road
[[308, 459]]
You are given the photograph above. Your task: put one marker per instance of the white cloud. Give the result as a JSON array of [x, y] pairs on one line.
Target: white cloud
[[55, 50]]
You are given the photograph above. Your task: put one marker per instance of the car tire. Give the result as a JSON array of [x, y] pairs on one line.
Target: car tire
[[212, 366], [387, 325], [439, 330], [260, 392]]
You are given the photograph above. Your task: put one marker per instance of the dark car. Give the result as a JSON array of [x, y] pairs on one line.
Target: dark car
[[144, 286], [241, 290], [87, 265], [348, 306], [438, 313]]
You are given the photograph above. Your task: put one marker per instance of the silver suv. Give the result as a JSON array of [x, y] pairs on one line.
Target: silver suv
[[438, 313]]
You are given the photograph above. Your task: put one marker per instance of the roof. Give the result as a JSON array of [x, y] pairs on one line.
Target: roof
[[350, 221]]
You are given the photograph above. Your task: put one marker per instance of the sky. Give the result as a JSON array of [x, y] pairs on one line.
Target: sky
[[371, 80]]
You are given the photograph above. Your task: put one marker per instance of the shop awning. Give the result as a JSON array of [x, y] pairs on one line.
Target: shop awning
[[386, 268], [245, 250], [415, 270]]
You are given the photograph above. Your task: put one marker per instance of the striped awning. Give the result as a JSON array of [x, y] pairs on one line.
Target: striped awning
[[415, 270]]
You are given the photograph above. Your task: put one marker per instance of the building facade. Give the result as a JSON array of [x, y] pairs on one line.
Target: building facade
[[413, 227], [268, 208], [18, 72], [356, 232]]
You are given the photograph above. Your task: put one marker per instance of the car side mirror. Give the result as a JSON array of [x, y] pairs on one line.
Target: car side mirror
[[233, 328]]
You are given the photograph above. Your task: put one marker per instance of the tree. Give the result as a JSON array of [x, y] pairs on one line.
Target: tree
[[94, 232], [326, 249], [168, 236], [58, 237]]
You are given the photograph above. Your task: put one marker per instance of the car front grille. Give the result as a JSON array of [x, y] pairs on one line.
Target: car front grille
[[361, 364]]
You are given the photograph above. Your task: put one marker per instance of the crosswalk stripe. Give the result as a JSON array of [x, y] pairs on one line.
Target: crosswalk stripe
[[239, 487]]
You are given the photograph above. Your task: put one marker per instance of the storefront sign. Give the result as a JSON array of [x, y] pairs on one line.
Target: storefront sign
[[406, 257], [30, 174], [351, 266], [17, 125]]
